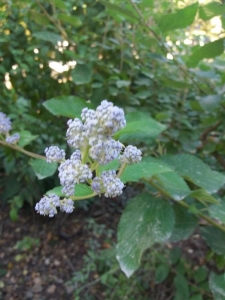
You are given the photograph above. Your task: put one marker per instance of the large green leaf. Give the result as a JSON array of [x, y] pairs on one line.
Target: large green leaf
[[43, 169], [182, 287], [211, 10], [67, 106], [180, 19], [145, 221], [59, 3], [203, 196], [80, 191], [26, 138], [195, 170], [210, 102], [218, 211], [185, 224], [140, 127], [75, 21], [47, 36], [209, 50], [148, 167], [174, 184], [215, 238], [217, 286], [81, 74], [126, 13]]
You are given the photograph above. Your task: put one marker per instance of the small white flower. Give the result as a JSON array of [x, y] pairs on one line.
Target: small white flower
[[72, 172], [13, 139], [47, 205], [105, 151], [66, 205], [131, 155], [108, 184], [5, 123], [54, 154]]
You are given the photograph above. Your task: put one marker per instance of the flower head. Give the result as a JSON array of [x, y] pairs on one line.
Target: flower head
[[13, 139], [54, 154], [5, 123], [47, 205], [131, 155]]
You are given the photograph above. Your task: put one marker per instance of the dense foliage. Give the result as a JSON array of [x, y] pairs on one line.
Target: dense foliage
[[163, 63]]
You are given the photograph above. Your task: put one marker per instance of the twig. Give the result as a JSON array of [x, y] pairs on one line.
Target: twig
[[17, 148], [55, 22], [164, 48], [182, 203]]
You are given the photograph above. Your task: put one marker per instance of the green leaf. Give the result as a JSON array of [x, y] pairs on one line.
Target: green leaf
[[202, 195], [211, 10], [209, 50], [47, 36], [59, 3], [140, 127], [182, 287], [196, 297], [201, 274], [81, 74], [162, 272], [180, 19], [122, 83], [185, 224], [72, 20], [215, 238], [122, 11], [26, 138], [113, 165], [145, 221], [217, 286], [67, 106], [210, 102], [148, 167], [195, 170], [80, 191], [43, 169], [218, 211], [174, 184], [13, 213]]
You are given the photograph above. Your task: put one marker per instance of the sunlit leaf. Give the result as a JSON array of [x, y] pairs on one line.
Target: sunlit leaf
[[209, 50], [67, 106], [180, 19]]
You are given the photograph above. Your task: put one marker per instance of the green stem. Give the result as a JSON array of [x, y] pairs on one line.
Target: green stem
[[83, 197], [182, 203], [85, 155], [121, 170], [17, 148]]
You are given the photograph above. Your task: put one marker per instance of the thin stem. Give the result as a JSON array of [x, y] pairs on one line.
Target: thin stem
[[55, 22], [83, 197], [17, 148], [85, 155], [182, 203], [121, 170], [163, 47]]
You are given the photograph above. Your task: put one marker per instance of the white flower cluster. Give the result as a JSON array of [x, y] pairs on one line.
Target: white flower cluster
[[48, 205], [131, 155], [5, 123], [5, 127], [54, 154], [96, 131], [72, 171], [13, 139], [92, 138], [108, 184]]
